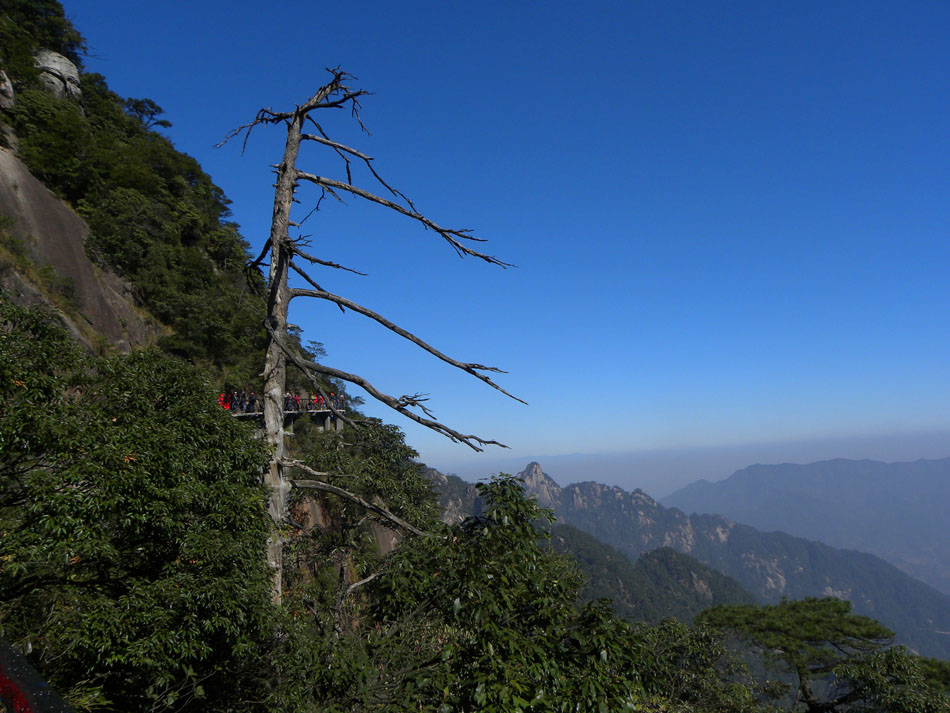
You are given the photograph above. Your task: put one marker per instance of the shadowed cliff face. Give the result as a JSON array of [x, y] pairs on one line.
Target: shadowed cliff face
[[52, 235], [770, 565]]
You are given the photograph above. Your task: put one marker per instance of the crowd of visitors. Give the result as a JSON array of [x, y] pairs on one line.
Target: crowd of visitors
[[250, 402]]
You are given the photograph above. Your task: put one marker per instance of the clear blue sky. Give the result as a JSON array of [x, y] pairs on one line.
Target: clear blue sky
[[730, 219]]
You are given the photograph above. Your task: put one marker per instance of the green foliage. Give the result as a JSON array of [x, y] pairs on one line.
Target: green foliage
[[147, 112], [809, 636], [133, 523], [27, 25], [890, 681], [842, 661], [155, 217], [692, 668], [484, 617], [662, 584], [133, 520]]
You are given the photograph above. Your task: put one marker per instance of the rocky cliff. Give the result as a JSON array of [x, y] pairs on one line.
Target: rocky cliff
[[43, 260], [769, 565]]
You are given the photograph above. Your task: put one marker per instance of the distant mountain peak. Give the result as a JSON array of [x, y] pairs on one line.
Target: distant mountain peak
[[540, 485]]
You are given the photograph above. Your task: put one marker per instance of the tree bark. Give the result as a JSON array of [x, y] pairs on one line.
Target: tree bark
[[275, 362]]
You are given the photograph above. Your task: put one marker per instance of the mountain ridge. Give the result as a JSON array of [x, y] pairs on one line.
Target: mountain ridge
[[769, 565], [894, 510]]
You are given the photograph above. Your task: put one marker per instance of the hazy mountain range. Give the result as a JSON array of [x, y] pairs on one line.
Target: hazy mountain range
[[897, 511], [770, 565], [659, 585]]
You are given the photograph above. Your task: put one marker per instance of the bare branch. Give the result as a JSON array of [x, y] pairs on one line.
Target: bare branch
[[401, 405], [294, 463], [309, 279], [342, 148], [356, 585], [317, 101], [264, 116], [367, 159], [305, 367], [326, 263], [467, 367], [450, 235], [347, 495], [260, 258], [314, 209]]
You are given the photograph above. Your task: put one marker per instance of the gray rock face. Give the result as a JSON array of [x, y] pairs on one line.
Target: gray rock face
[[541, 486], [58, 74], [53, 236], [7, 98]]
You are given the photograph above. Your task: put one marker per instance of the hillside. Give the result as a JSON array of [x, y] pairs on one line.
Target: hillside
[[658, 585], [769, 565], [104, 220], [661, 584], [894, 510], [144, 565]]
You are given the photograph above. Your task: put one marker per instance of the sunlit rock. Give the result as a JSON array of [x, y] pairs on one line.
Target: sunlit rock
[[7, 99], [59, 76]]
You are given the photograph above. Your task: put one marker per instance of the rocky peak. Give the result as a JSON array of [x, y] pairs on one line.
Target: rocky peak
[[540, 485]]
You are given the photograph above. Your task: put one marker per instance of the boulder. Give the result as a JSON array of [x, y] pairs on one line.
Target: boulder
[[59, 75]]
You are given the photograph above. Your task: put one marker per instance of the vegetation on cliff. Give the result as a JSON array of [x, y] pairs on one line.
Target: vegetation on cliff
[[154, 216]]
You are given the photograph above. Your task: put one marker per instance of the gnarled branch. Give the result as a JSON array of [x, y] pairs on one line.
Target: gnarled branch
[[347, 495], [401, 404], [451, 235], [317, 101], [467, 367]]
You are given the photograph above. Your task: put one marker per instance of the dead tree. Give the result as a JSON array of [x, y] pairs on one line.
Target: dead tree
[[287, 254]]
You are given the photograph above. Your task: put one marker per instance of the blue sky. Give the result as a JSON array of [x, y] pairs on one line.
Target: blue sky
[[730, 219]]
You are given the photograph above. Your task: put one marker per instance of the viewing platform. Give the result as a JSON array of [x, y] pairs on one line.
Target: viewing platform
[[324, 419]]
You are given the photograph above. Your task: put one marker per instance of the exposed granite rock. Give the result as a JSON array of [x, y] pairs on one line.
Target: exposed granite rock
[[53, 235], [59, 75], [457, 499], [7, 97], [541, 486]]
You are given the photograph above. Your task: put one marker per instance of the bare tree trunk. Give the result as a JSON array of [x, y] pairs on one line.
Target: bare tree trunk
[[275, 362], [334, 95]]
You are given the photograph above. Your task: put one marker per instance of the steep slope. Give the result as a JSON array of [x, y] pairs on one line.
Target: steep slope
[[129, 202], [769, 565], [894, 510], [43, 259], [662, 584]]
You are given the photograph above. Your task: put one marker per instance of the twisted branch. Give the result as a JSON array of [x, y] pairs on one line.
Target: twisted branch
[[347, 495], [467, 367], [317, 101], [402, 404], [452, 236]]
